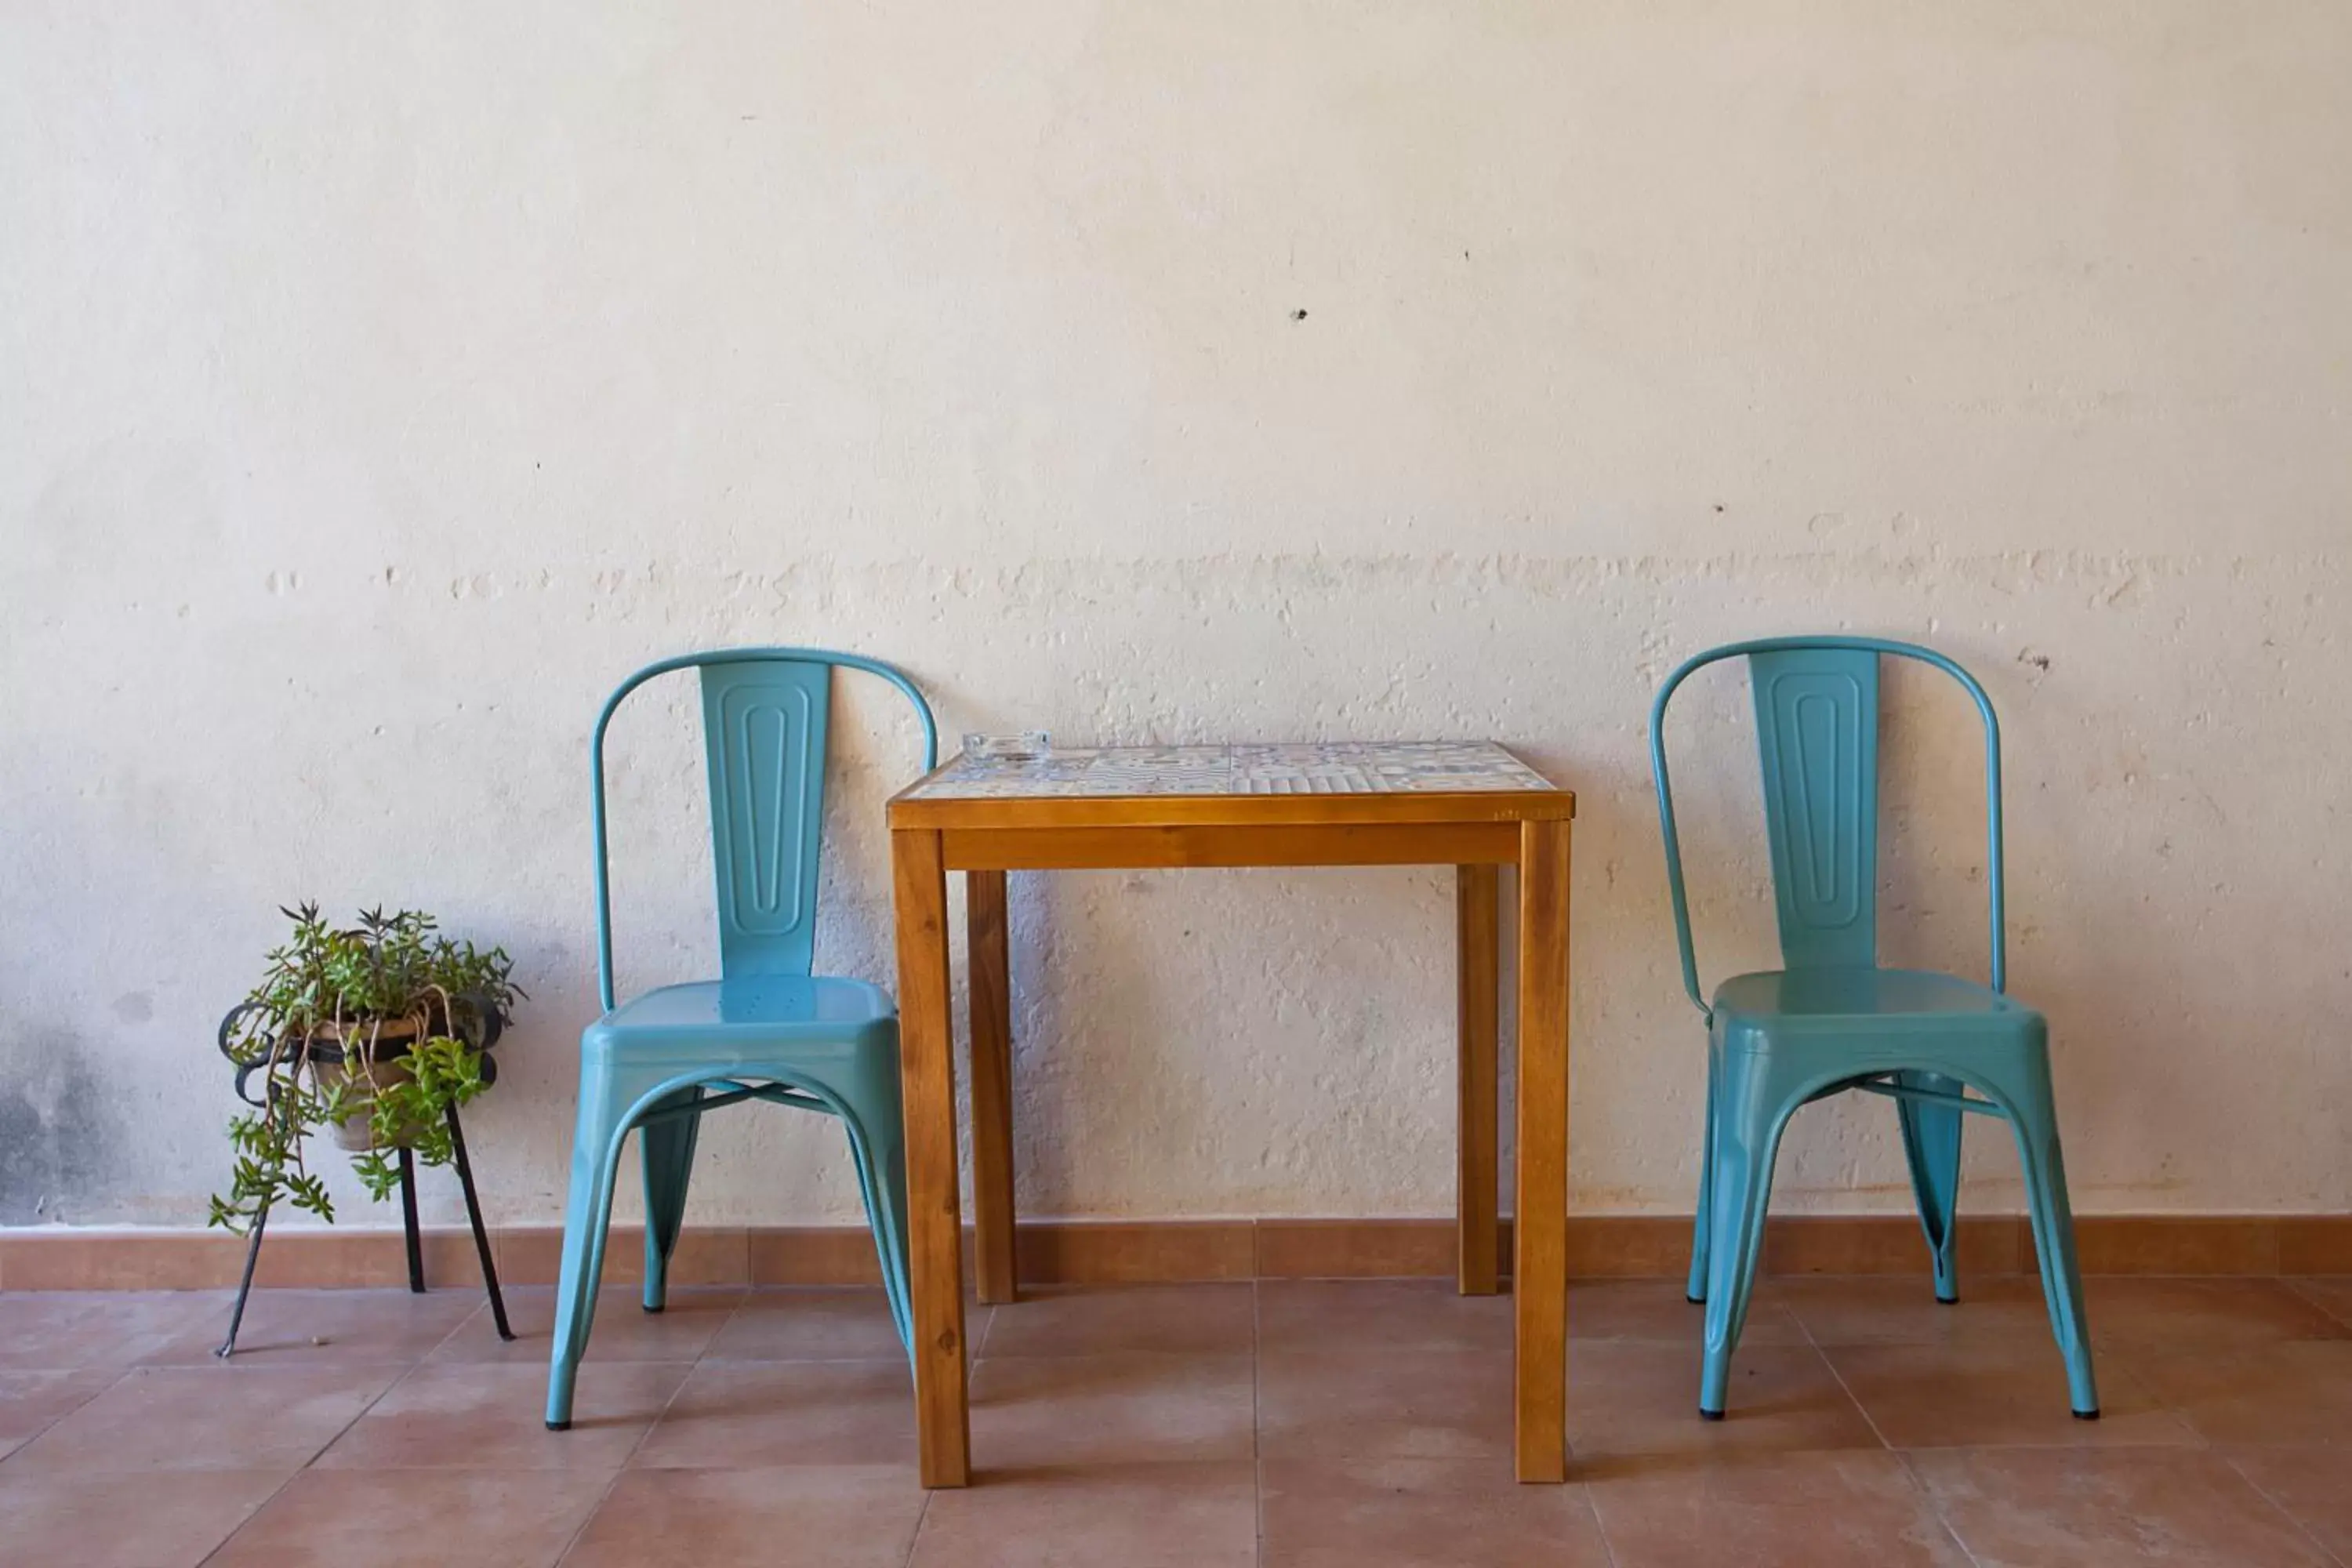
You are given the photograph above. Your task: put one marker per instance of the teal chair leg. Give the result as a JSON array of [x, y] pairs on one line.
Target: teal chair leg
[[597, 1130], [668, 1159], [1931, 1142], [1696, 1291], [1751, 1110], [868, 1102], [2034, 1115], [878, 1147]]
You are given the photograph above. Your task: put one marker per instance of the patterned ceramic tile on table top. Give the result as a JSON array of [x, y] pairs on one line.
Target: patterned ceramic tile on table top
[[1409, 767]]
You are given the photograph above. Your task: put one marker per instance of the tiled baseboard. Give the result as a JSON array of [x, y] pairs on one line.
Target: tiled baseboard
[[1100, 1251]]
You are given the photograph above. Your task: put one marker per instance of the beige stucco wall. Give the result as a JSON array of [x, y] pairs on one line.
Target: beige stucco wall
[[378, 384]]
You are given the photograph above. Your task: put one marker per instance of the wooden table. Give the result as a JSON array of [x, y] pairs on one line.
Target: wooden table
[[1472, 805]]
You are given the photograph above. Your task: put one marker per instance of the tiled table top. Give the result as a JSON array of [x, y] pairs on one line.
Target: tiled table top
[[1386, 767]]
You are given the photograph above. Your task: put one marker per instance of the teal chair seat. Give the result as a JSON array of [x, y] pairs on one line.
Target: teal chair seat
[[1831, 1020], [750, 1014], [1858, 1004], [768, 1029]]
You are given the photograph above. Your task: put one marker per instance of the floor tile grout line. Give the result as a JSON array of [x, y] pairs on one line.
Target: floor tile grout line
[[79, 1404], [302, 1469], [914, 1537], [573, 1542], [1928, 1495], [1592, 1507], [374, 1400], [2204, 1441], [1906, 1458], [260, 1508], [1839, 1378], [481, 1309], [742, 1304], [1258, 1453], [2281, 1508], [2342, 1317]]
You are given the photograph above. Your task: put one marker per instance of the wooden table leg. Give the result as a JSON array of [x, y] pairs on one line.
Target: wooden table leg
[[992, 1086], [927, 1069], [1476, 925], [1540, 1232]]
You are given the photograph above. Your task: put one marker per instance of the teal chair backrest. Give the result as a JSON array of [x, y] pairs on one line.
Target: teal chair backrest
[[765, 712], [1817, 733]]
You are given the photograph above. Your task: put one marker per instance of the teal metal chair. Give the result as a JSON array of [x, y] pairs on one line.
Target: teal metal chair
[[767, 1030], [1834, 1020]]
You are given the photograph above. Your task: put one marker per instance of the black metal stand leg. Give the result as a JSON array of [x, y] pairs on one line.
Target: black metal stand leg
[[408, 1220], [481, 1232], [243, 1286]]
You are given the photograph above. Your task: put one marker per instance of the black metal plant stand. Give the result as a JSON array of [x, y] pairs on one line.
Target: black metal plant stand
[[407, 1199]]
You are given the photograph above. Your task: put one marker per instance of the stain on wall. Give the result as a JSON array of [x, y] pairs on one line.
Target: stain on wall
[[59, 1132]]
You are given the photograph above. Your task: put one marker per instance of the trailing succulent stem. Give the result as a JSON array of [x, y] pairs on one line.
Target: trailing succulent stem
[[443, 1070], [382, 1024]]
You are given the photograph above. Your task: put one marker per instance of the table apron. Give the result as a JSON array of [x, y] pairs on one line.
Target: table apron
[[1144, 846]]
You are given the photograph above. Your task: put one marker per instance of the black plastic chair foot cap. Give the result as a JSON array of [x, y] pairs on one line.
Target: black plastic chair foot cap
[[1706, 1414], [1951, 1300], [651, 1309], [1696, 1300], [2086, 1416], [559, 1426]]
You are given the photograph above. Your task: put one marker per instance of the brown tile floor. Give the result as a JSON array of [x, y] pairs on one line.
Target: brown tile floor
[[1309, 1424]]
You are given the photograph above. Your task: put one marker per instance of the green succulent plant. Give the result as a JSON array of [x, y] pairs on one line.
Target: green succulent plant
[[382, 1023]]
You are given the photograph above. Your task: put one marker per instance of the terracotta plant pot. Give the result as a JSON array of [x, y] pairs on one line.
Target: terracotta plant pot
[[332, 1063], [474, 1020]]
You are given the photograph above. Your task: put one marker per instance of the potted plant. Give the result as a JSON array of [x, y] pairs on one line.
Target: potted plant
[[370, 1032]]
